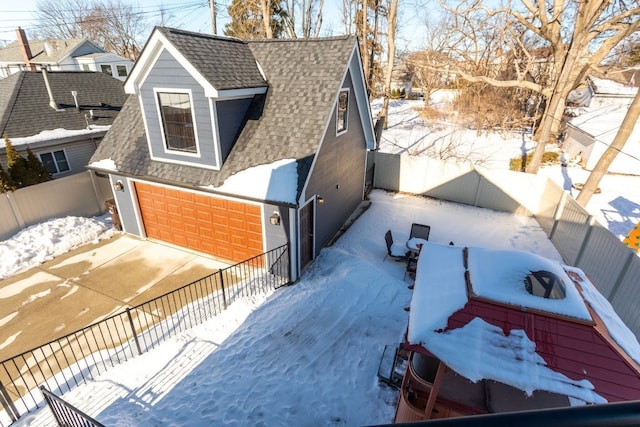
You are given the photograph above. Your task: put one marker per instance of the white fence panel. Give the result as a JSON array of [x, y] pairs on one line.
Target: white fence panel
[[626, 298], [570, 230], [9, 224], [550, 199], [603, 257], [81, 194]]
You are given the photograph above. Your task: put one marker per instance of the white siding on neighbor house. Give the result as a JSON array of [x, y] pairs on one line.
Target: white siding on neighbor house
[[588, 149], [577, 144], [168, 74]]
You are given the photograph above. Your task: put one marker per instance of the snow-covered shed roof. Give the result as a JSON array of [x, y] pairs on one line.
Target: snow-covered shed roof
[[471, 309]]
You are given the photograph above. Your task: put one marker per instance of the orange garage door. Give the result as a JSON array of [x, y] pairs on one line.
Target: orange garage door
[[220, 227]]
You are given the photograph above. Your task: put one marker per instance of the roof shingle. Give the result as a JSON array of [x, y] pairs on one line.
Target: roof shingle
[[24, 101], [303, 75]]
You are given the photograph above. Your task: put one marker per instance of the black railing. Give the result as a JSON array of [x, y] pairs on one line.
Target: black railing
[[67, 415], [80, 356]]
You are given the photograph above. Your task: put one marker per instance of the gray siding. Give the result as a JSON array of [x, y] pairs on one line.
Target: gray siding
[[275, 235], [230, 118], [168, 74], [338, 173], [77, 154], [126, 201]]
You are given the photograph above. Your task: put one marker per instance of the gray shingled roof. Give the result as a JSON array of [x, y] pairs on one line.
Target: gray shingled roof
[[60, 48], [226, 63], [304, 76], [24, 101]]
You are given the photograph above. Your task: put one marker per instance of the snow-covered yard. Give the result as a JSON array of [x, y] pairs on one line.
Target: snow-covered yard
[[307, 354], [617, 207]]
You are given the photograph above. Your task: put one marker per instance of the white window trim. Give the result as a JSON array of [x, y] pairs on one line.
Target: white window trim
[[40, 153], [165, 147], [346, 118]]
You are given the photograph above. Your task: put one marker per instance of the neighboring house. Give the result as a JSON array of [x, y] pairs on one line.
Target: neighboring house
[[597, 93], [60, 55], [234, 148], [589, 135], [609, 92], [62, 121]]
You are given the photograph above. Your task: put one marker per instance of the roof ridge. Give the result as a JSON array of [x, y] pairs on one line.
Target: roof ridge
[[180, 31], [306, 39]]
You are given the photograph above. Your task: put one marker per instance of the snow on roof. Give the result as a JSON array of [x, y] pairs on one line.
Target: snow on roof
[[605, 86], [616, 328], [55, 134], [499, 275], [106, 164], [603, 123], [511, 359], [277, 181], [441, 290]]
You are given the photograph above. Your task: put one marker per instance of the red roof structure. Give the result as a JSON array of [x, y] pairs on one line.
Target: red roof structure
[[475, 341]]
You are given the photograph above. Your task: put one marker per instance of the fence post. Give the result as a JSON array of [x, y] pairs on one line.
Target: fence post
[[15, 210], [590, 221], [133, 329], [623, 272], [557, 214], [224, 296], [96, 193], [7, 404]]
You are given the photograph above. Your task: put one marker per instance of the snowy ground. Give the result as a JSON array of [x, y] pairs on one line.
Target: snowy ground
[[617, 207], [42, 242], [308, 354]]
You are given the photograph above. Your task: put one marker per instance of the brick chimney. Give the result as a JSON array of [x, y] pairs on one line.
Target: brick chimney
[[25, 48]]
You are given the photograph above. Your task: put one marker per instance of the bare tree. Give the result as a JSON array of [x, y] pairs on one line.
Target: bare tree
[[266, 18], [310, 23], [580, 35], [112, 24], [349, 11], [392, 20]]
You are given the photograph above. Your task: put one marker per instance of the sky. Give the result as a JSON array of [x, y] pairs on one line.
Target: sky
[[194, 15]]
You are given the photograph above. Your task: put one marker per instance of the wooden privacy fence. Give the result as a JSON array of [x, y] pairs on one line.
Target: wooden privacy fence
[[67, 362], [578, 237], [82, 194]]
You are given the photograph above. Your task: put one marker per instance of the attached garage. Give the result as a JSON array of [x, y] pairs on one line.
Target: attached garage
[[224, 228]]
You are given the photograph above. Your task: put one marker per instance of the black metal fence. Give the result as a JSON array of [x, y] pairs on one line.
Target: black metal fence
[[80, 356], [65, 414]]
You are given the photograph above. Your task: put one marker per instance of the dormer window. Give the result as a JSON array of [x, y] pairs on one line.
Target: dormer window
[[342, 113], [177, 121], [544, 284]]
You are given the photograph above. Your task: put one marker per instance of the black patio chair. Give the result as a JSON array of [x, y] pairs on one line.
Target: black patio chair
[[394, 251], [420, 231]]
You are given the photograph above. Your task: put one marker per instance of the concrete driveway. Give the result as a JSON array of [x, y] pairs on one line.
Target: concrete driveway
[[88, 284]]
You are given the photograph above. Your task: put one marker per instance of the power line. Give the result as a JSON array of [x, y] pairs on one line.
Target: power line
[[147, 12]]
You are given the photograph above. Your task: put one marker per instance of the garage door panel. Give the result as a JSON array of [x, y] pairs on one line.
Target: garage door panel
[[221, 227]]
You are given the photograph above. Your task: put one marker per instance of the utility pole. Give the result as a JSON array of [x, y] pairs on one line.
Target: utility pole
[[212, 8]]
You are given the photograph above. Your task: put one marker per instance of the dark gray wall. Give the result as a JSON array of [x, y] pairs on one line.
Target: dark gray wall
[[168, 74], [338, 174], [230, 117], [275, 235]]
